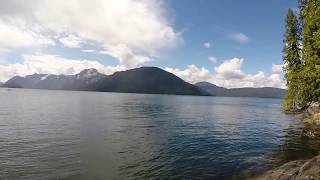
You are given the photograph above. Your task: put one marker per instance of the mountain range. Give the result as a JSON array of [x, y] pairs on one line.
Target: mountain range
[[264, 92], [148, 80]]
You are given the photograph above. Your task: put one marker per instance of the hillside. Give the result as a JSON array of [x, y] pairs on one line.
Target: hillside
[[149, 80], [265, 92]]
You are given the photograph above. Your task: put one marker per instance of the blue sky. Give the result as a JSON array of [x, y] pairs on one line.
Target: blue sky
[[213, 21], [229, 43]]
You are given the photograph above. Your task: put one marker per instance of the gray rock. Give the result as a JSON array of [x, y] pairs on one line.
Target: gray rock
[[295, 170]]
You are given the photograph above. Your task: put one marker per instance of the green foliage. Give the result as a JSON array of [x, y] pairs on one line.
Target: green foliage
[[311, 45], [302, 66], [292, 61]]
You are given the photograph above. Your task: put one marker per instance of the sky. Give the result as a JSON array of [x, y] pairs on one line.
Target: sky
[[229, 43]]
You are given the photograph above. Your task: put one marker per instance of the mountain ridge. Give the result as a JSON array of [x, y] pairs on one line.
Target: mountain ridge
[[263, 92], [148, 80]]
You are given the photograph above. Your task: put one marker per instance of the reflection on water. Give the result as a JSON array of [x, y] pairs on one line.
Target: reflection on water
[[86, 135], [298, 144]]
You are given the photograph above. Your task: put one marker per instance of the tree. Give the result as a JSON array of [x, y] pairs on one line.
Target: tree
[[303, 74], [292, 61], [310, 16]]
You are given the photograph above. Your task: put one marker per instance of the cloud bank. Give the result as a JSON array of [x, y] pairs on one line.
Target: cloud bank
[[134, 32], [137, 28], [229, 74], [52, 64]]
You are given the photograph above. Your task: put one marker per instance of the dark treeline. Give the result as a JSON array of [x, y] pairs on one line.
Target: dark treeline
[[301, 56]]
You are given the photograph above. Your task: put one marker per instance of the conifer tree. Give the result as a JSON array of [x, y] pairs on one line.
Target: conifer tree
[[310, 16], [292, 61]]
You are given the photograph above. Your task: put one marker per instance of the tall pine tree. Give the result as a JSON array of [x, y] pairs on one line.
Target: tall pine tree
[[292, 61], [310, 16]]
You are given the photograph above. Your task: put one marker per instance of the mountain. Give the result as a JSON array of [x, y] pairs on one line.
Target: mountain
[[210, 88], [265, 92], [149, 80], [80, 81]]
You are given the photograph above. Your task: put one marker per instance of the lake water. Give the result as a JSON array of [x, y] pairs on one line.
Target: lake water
[[89, 135]]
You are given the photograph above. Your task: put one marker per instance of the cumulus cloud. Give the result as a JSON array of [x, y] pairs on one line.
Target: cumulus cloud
[[230, 69], [239, 37], [192, 74], [230, 75], [52, 64], [277, 68], [275, 80], [141, 26], [13, 36], [126, 56], [207, 44]]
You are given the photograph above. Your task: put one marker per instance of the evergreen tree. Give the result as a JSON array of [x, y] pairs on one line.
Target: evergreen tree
[[310, 16], [292, 61]]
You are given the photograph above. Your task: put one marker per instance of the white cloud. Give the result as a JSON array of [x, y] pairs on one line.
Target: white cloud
[[239, 37], [212, 59], [274, 80], [141, 26], [71, 41], [230, 69], [192, 74], [52, 64], [207, 44], [229, 74], [89, 50], [125, 56], [277, 68], [12, 36]]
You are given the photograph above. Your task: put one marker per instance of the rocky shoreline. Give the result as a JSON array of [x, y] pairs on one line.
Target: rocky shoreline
[[294, 170], [312, 115], [299, 169]]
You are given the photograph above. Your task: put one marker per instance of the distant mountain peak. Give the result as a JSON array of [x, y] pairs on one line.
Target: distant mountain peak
[[88, 73]]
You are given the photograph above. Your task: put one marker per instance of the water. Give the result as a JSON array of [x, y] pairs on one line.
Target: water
[[88, 135]]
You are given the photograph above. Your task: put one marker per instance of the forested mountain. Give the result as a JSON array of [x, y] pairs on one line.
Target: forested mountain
[[265, 92]]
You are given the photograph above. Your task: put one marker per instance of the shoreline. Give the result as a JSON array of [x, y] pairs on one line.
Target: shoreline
[[304, 169], [293, 170]]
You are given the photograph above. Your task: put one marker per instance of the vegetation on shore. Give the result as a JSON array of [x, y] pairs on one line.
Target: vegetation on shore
[[301, 56]]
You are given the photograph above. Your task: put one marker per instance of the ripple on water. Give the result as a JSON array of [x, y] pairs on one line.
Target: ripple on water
[[86, 135]]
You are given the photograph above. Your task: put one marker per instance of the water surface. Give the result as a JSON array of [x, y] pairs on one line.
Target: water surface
[[90, 135]]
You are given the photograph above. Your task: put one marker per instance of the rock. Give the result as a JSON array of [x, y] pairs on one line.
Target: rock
[[284, 172], [314, 108], [295, 170], [312, 115], [308, 120], [316, 118], [310, 169], [313, 119]]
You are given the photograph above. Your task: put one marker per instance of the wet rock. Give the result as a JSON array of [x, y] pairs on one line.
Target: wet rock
[[312, 115], [295, 170]]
